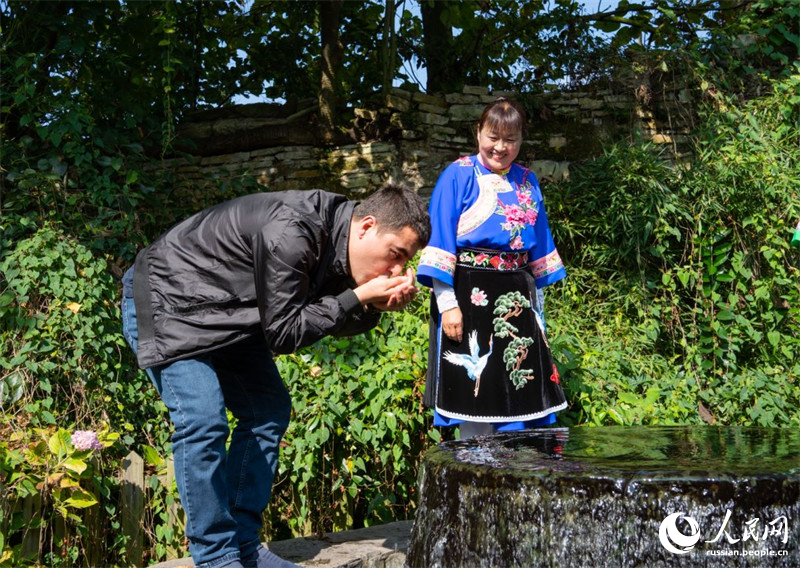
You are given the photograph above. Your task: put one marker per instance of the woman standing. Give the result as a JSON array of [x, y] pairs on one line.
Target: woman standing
[[490, 254]]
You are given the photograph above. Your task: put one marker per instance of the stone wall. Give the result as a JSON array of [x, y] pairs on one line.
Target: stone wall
[[425, 133]]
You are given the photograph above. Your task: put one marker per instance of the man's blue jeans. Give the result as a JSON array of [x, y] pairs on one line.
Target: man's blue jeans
[[223, 493]]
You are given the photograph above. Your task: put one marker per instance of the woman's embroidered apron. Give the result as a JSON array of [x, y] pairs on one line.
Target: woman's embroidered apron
[[502, 370]]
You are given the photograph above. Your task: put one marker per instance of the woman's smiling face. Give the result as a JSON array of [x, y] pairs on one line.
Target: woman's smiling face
[[498, 150]]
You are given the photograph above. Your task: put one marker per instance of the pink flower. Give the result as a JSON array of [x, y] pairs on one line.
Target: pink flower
[[86, 440], [530, 216], [524, 197], [517, 243], [478, 297], [515, 215], [481, 258]]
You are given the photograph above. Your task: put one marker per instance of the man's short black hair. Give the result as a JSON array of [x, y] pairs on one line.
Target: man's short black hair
[[395, 206]]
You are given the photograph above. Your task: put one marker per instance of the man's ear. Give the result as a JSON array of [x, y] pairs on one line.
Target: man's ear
[[364, 225]]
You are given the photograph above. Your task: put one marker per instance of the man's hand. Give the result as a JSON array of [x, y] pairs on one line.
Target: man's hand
[[388, 293], [401, 295]]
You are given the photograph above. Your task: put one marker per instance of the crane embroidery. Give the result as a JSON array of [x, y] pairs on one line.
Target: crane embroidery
[[474, 363]]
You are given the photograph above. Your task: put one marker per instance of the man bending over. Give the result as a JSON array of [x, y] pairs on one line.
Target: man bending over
[[207, 305]]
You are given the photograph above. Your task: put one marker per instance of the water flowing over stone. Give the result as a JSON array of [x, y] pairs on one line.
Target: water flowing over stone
[[694, 496]]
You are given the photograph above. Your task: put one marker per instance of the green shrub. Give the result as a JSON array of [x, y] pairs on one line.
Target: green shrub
[[65, 366], [62, 351], [682, 304], [358, 429], [51, 479]]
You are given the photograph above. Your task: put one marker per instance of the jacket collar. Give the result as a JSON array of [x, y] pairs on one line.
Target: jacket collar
[[340, 235]]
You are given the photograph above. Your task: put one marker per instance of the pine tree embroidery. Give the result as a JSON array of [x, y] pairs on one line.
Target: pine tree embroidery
[[509, 306]]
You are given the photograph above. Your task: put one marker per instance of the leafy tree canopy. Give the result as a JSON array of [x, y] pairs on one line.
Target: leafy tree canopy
[[144, 64]]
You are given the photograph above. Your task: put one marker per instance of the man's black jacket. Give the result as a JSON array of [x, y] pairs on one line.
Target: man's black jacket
[[270, 262]]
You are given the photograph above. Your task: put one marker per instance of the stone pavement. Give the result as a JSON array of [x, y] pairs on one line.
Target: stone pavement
[[383, 546]]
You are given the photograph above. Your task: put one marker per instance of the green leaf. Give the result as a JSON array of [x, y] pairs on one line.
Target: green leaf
[[607, 26], [151, 456], [80, 499], [58, 442], [774, 338], [76, 465], [724, 315], [11, 388]]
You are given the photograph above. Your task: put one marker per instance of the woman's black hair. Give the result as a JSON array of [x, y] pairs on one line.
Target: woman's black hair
[[504, 115]]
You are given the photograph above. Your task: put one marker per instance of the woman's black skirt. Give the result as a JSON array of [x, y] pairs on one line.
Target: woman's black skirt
[[502, 370]]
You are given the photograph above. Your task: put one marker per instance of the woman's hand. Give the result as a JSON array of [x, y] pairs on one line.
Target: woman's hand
[[453, 324]]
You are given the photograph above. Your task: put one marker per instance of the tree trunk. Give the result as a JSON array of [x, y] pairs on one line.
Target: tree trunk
[[389, 46], [438, 49], [329, 18]]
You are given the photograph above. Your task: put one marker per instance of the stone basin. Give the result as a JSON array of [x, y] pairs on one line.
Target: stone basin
[[698, 496]]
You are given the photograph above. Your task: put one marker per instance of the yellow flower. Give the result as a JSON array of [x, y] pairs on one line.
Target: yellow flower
[[74, 307]]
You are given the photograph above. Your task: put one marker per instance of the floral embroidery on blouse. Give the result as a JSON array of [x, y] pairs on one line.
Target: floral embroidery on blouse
[[479, 297], [518, 215]]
